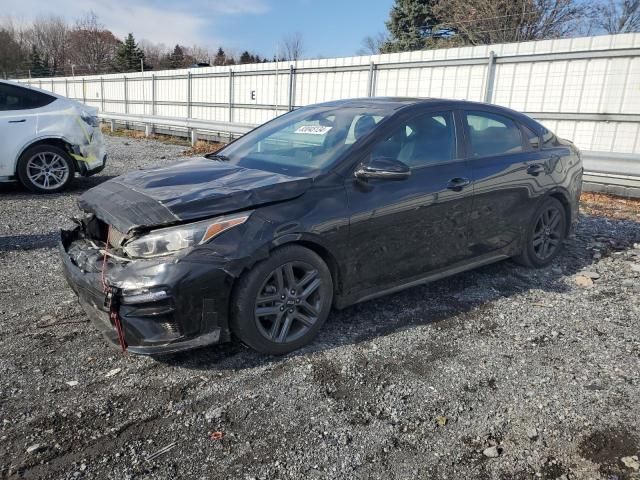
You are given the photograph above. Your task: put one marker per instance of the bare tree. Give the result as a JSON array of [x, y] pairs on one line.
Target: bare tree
[[200, 54], [155, 54], [617, 16], [13, 48], [92, 45], [478, 22], [372, 44], [50, 36], [292, 46]]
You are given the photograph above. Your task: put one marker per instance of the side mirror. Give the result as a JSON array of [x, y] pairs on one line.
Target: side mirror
[[384, 169]]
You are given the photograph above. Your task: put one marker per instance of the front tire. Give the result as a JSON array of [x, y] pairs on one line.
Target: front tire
[[283, 301], [545, 235], [45, 169]]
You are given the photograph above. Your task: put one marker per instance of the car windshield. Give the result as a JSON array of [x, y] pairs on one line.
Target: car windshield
[[304, 141]]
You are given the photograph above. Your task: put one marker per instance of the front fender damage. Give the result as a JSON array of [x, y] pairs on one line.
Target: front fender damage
[[190, 290]]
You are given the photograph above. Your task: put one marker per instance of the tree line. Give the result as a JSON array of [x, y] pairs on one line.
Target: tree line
[[423, 24], [50, 46]]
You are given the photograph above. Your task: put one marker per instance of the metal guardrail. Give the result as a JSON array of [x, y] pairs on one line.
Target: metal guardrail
[[616, 173], [222, 130]]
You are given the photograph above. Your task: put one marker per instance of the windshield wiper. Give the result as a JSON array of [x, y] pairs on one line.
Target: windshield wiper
[[217, 156]]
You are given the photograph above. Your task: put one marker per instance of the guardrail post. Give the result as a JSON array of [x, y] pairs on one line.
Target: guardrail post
[[194, 137], [189, 94], [84, 92], [371, 83], [148, 129], [102, 94], [491, 76], [292, 76], [112, 124], [66, 88], [231, 95]]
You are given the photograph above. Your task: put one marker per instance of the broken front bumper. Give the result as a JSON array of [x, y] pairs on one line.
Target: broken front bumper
[[165, 306]]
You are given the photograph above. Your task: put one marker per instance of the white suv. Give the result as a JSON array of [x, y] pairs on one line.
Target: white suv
[[45, 139]]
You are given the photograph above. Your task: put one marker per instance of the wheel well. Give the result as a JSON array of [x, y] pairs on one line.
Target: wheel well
[[329, 259], [326, 256], [56, 142], [567, 208]]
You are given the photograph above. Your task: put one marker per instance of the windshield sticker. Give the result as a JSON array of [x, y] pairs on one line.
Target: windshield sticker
[[313, 129]]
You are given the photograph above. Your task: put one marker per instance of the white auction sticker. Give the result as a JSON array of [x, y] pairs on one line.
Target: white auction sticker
[[313, 129]]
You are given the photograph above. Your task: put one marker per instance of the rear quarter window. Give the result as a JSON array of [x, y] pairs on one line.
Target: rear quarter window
[[532, 138], [549, 140], [13, 97]]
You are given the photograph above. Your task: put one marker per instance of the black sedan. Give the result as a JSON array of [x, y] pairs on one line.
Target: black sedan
[[328, 205]]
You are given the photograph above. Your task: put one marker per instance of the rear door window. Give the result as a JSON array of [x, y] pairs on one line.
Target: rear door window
[[13, 97], [491, 134]]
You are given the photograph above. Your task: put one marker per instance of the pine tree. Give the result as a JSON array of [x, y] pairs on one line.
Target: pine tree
[[129, 55], [176, 59], [36, 64], [411, 24], [220, 58], [246, 57]]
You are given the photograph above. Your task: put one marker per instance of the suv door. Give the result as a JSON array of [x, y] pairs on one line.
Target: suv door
[[402, 229], [508, 173], [18, 122]]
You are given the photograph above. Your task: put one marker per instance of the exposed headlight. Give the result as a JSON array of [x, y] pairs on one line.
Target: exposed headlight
[[89, 119], [172, 239]]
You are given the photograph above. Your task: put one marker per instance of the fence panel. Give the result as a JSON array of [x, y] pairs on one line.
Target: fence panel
[[585, 89]]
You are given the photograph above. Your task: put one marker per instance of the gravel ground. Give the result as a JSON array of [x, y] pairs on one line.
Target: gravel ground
[[503, 373]]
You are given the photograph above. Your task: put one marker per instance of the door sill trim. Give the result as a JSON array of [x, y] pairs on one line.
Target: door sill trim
[[431, 277]]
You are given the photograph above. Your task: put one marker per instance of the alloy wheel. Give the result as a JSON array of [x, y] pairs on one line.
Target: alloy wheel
[[289, 302], [47, 170], [547, 234]]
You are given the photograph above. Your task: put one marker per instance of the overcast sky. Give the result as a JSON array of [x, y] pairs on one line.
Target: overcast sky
[[329, 27]]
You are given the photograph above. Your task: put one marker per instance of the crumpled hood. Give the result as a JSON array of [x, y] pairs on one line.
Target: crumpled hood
[[189, 190]]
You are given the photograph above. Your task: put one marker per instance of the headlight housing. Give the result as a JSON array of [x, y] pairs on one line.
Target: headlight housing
[[165, 241], [90, 119]]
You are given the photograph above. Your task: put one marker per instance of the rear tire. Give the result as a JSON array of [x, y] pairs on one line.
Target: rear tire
[[545, 235], [46, 169], [283, 301]]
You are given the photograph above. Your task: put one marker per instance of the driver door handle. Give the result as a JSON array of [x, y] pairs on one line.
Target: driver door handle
[[18, 121], [458, 183]]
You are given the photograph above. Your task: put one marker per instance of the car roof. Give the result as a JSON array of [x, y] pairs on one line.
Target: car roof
[[397, 103]]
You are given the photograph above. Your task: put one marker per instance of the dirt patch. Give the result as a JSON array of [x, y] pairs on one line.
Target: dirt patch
[[602, 204], [607, 447], [203, 147]]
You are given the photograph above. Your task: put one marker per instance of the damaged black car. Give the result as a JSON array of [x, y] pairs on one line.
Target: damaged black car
[[323, 207]]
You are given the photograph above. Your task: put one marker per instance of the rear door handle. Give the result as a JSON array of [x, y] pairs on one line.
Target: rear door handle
[[18, 121], [458, 183], [535, 169]]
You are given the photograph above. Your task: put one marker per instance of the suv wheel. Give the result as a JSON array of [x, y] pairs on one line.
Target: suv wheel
[[283, 301], [545, 235], [45, 169]]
